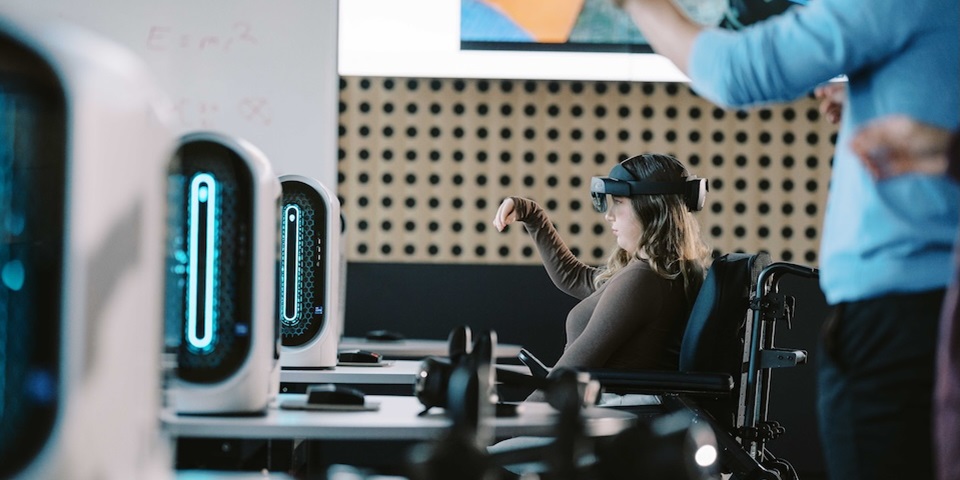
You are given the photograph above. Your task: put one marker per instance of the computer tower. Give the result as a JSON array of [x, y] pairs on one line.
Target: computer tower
[[82, 157], [222, 252], [309, 274]]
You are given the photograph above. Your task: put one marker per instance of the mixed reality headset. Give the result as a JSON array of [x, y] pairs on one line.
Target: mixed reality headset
[[622, 183]]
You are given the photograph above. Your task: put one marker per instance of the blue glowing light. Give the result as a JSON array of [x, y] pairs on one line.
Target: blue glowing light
[[290, 265], [13, 275], [15, 223], [40, 386], [201, 292]]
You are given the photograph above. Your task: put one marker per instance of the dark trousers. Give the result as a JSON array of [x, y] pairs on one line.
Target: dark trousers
[[876, 385]]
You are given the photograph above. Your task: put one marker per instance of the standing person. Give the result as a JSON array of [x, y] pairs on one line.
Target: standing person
[[885, 252], [633, 311], [899, 145]]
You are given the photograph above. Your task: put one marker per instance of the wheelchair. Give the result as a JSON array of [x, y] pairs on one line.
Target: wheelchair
[[723, 382], [726, 360]]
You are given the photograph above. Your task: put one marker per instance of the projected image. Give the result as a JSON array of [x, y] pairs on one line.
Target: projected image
[[587, 25]]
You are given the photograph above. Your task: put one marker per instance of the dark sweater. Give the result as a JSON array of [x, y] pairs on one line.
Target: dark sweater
[[633, 321]]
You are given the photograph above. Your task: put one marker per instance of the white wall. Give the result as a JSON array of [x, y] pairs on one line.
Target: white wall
[[263, 70]]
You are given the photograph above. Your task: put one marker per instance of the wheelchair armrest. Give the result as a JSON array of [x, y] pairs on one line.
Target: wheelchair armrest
[[656, 382]]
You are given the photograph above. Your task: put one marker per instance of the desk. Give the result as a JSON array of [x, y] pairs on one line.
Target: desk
[[220, 475], [415, 349], [396, 419], [395, 378], [397, 372], [315, 440]]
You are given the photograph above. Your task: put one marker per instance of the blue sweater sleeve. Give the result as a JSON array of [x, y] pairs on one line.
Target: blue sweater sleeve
[[785, 57]]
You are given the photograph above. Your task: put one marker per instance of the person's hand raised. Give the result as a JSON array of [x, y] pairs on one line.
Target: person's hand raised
[[506, 214]]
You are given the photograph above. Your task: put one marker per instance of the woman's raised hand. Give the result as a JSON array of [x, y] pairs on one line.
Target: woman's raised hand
[[506, 214]]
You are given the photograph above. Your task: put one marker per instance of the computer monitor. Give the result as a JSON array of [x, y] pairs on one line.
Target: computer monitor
[[309, 274], [82, 157], [222, 252]]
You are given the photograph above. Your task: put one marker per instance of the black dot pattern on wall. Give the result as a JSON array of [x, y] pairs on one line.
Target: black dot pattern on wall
[[423, 165]]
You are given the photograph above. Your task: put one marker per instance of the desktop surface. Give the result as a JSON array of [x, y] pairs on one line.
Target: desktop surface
[[396, 372], [392, 377], [396, 419], [415, 349]]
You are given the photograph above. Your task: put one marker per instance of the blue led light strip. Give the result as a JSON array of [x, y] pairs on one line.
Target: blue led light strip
[[201, 312], [290, 265]]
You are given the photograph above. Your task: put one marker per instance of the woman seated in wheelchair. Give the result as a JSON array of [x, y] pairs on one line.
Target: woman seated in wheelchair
[[633, 310]]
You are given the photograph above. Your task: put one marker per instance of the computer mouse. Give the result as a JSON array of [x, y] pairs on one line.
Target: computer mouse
[[358, 356], [333, 394], [384, 335]]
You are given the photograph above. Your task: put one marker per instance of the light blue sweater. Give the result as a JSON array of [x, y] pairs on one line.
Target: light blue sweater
[[900, 57]]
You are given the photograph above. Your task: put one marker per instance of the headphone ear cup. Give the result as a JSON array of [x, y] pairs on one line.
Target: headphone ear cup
[[482, 360], [481, 353], [696, 195], [459, 343], [432, 382]]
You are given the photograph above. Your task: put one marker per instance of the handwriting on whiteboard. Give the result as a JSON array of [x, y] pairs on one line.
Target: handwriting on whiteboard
[[194, 113], [162, 38]]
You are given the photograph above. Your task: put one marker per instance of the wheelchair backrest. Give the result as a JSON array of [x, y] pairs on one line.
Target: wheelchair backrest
[[713, 339]]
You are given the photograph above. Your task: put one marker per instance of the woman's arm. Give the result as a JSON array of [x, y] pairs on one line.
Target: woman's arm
[[568, 273]]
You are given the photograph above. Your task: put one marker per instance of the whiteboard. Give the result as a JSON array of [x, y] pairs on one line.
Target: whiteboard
[[262, 70]]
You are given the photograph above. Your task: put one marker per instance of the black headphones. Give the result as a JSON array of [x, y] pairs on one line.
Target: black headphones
[[433, 379], [622, 183], [464, 388]]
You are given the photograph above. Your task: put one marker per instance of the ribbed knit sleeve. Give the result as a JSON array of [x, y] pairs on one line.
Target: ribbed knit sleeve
[[568, 273]]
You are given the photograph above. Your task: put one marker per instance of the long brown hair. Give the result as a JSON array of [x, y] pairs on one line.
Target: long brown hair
[[671, 235]]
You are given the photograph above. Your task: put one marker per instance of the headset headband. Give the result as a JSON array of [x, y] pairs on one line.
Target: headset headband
[[622, 183]]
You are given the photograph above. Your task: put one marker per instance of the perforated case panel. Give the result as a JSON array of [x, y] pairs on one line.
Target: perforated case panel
[[302, 312], [424, 164]]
